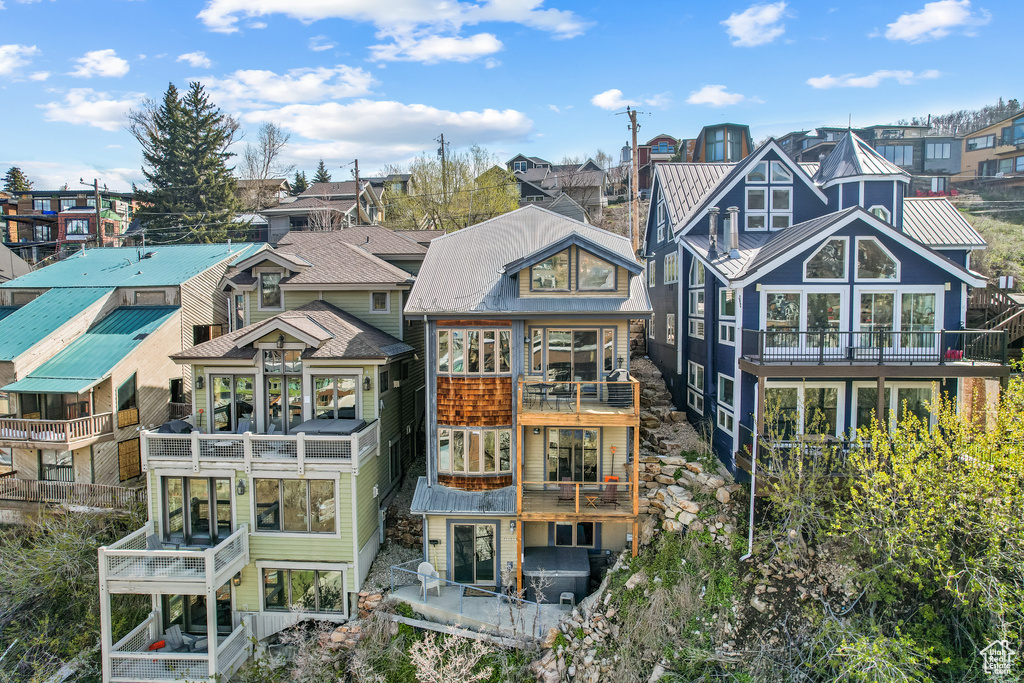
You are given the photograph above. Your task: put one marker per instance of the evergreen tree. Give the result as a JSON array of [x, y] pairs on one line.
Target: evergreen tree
[[300, 184], [322, 176], [16, 181], [184, 148]]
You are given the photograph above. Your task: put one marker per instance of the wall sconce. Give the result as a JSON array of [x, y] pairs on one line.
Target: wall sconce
[[536, 430], [366, 383], [236, 580], [280, 341], [949, 286], [199, 382], [240, 487], [620, 360], [511, 526]]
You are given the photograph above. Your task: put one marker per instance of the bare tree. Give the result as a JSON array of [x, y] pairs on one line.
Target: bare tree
[[261, 162], [583, 185], [324, 218]]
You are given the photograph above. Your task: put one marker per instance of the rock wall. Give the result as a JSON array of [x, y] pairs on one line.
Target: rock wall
[[404, 528]]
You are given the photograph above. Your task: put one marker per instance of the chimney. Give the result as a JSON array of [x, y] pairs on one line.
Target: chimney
[[734, 231], [712, 233]]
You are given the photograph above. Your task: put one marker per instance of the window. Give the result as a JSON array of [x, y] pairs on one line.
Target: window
[[695, 327], [196, 510], [233, 401], [305, 590], [1004, 166], [204, 333], [551, 274], [384, 380], [129, 459], [937, 150], [56, 466], [874, 262], [781, 199], [670, 328], [735, 145], [810, 408], [726, 421], [305, 506], [41, 204], [727, 303], [880, 212], [395, 457], [901, 155], [127, 404], [981, 142], [828, 263], [519, 166], [68, 203], [473, 351], [726, 391], [150, 298], [696, 295], [899, 400], [189, 612], [335, 397], [714, 145], [474, 451], [78, 226], [270, 291], [727, 333], [695, 386], [650, 328], [939, 183], [574, 534], [661, 213], [758, 173], [595, 274], [573, 454], [238, 311], [781, 173], [283, 389], [671, 268], [660, 234], [576, 355], [380, 302], [652, 272], [1019, 168]]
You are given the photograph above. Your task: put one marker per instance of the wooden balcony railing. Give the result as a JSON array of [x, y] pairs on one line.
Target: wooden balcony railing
[[579, 497], [611, 398], [179, 411], [57, 432], [69, 493]]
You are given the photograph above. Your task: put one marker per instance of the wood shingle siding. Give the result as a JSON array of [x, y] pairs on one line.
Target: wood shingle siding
[[482, 483], [474, 401]]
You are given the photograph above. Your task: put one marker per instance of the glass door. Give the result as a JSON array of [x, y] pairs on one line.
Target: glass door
[[876, 323], [473, 560], [197, 510], [917, 317], [573, 455]]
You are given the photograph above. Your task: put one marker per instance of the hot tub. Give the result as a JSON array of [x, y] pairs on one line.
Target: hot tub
[[567, 570]]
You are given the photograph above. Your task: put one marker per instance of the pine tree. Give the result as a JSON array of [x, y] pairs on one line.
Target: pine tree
[[322, 176], [300, 184], [16, 181], [184, 143]]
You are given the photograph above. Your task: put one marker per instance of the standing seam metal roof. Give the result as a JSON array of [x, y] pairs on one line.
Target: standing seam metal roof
[[936, 222], [853, 157], [25, 327], [685, 186], [438, 498]]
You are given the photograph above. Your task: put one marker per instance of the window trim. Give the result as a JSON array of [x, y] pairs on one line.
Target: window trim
[[77, 224], [569, 272], [695, 328], [579, 261], [465, 472], [767, 171], [721, 303], [270, 533], [729, 416], [289, 565], [387, 298], [724, 334], [888, 214], [652, 272], [259, 290], [731, 404], [854, 255], [671, 268], [670, 329], [465, 372], [846, 262], [893, 400], [575, 534], [842, 416]]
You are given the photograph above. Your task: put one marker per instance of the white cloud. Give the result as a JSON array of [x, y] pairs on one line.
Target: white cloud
[[321, 43], [717, 96], [554, 108], [872, 80], [56, 174], [100, 63], [13, 57], [613, 99], [39, 75], [198, 60], [89, 107], [256, 25], [756, 25], [252, 87], [434, 49], [936, 20]]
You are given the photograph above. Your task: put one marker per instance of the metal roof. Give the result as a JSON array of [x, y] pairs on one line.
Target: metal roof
[[121, 267], [25, 327], [462, 272], [936, 222], [852, 157], [7, 310], [685, 186], [89, 359], [810, 167], [442, 499], [730, 268]]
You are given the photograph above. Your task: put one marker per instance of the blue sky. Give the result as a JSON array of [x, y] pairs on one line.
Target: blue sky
[[378, 80]]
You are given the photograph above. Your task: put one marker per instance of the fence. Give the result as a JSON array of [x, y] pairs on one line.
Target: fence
[[877, 346]]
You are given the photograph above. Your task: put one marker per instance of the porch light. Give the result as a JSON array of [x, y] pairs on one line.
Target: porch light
[[240, 487], [280, 341], [536, 430], [511, 526], [366, 383], [199, 382], [236, 580]]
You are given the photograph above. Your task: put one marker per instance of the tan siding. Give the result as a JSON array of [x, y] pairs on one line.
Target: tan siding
[[437, 528], [535, 534], [202, 303], [535, 454]]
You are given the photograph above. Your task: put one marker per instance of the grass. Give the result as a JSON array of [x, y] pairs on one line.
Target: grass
[[1005, 252]]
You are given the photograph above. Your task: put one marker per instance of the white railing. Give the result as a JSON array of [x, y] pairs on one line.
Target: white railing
[[249, 448], [139, 638], [129, 559], [131, 662], [56, 431], [232, 649]]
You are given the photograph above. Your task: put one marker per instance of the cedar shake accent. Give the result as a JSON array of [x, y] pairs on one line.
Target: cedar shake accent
[[484, 483], [474, 401], [474, 323]]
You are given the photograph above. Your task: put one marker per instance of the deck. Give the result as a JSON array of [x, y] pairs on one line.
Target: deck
[[594, 501], [488, 614], [56, 434], [578, 403]]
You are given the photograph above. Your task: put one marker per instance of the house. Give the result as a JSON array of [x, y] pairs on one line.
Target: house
[[793, 299], [657, 150], [722, 143], [306, 413], [324, 207], [262, 193], [541, 182], [84, 361], [994, 155], [932, 160], [813, 146], [532, 418], [77, 226]]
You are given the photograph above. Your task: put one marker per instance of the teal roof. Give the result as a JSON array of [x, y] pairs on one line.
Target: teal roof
[[89, 359], [121, 267], [24, 327], [6, 311]]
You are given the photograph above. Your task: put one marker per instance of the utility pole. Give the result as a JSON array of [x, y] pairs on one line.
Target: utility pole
[[359, 204], [634, 192], [441, 151], [99, 208]]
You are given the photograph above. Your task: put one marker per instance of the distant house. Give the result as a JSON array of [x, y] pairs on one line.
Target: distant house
[[541, 182], [324, 207], [263, 193], [659, 149], [994, 155], [932, 160], [78, 225], [722, 143]]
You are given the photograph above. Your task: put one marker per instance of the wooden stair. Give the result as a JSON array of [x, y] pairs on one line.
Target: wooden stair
[[992, 308]]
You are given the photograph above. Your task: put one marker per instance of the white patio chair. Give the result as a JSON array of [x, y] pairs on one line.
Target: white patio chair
[[429, 578]]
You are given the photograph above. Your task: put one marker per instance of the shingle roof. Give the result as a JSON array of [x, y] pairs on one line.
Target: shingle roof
[[437, 498], [345, 188], [462, 270], [936, 222], [421, 236], [89, 359], [312, 204], [28, 325], [853, 157], [374, 239], [686, 186], [346, 337]]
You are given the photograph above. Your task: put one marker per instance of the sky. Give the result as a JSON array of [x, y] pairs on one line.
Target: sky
[[379, 80]]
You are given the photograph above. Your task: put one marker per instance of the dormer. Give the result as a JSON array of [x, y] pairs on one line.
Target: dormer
[[521, 163], [263, 273], [855, 174], [573, 265], [724, 143]]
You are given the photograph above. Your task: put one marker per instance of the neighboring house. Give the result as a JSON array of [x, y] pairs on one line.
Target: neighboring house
[[532, 418], [931, 160], [262, 193], [830, 298], [541, 182], [308, 411], [84, 357], [77, 227], [658, 149], [36, 228], [325, 207], [813, 146], [994, 155], [722, 143]]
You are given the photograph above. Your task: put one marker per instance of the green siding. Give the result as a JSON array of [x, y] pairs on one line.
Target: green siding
[[366, 511], [355, 302]]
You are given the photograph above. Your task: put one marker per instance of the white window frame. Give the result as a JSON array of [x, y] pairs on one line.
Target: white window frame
[[77, 223], [727, 333], [695, 375], [519, 166], [764, 163], [888, 214], [695, 400], [465, 372], [650, 328], [465, 471], [725, 421], [671, 265], [843, 292], [695, 327], [731, 403], [722, 293], [670, 329], [899, 291], [856, 250], [652, 272], [846, 262], [259, 288], [842, 416], [661, 234], [387, 298], [893, 406], [661, 213], [780, 166]]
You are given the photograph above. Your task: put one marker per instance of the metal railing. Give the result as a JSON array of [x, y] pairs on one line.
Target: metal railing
[[579, 397], [578, 496], [249, 448], [878, 346], [60, 432], [86, 495]]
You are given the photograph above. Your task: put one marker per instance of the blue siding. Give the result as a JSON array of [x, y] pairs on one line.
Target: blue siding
[[878, 192]]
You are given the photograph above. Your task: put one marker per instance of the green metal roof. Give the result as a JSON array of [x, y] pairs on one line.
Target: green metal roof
[[24, 327], [89, 359], [6, 311], [121, 267]]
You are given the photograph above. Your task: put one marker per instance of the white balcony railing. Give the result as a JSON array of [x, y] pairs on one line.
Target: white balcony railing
[[57, 432], [248, 449]]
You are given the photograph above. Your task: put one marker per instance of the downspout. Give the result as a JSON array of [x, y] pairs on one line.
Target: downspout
[[426, 406]]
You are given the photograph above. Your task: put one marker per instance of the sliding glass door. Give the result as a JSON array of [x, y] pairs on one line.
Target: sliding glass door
[[473, 559], [197, 510], [573, 454]]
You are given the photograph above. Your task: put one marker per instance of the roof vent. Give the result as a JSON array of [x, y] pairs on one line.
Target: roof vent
[[141, 336], [149, 254]]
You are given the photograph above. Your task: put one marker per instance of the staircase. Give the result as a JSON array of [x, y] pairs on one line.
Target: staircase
[[993, 308]]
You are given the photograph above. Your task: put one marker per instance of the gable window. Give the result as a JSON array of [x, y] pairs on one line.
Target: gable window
[[937, 150], [304, 590], [473, 351], [781, 173], [695, 386], [305, 506], [233, 402], [577, 534], [781, 207], [670, 328], [661, 213], [551, 274], [127, 403], [652, 272], [519, 166], [671, 268], [660, 233], [474, 451], [380, 302], [874, 262], [270, 291], [757, 208], [881, 212], [758, 173], [595, 274], [828, 263], [78, 226]]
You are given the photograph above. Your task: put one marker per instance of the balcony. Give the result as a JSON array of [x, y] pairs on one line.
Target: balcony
[[132, 565], [56, 434], [249, 450], [578, 403], [69, 493], [943, 352], [130, 661], [593, 500]]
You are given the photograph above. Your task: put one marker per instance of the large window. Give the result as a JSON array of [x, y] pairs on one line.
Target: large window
[[56, 466], [735, 145], [304, 590], [305, 506], [898, 401], [474, 451], [474, 351], [574, 455], [595, 274], [196, 510], [788, 313], [551, 274], [874, 262], [190, 614], [78, 226], [574, 534], [937, 150], [233, 402], [270, 291], [573, 355], [282, 374], [804, 409], [901, 155], [714, 145], [335, 397], [41, 204], [671, 268], [828, 263], [981, 142], [695, 386]]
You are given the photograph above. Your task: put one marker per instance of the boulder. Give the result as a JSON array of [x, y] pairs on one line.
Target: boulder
[[688, 506], [695, 467], [638, 579], [722, 495], [672, 525], [686, 518]]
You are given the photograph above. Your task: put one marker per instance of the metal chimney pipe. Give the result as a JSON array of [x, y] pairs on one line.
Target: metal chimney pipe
[[734, 231], [713, 233]]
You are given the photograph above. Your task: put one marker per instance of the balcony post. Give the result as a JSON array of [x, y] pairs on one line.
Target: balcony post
[[760, 345], [300, 452], [247, 451], [144, 449], [821, 348], [579, 390], [211, 616], [195, 451], [577, 498], [106, 635], [942, 347], [881, 345]]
